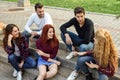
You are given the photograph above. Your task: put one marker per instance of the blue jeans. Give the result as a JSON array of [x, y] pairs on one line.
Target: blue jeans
[[76, 40], [28, 35], [81, 66], [14, 61], [102, 76]]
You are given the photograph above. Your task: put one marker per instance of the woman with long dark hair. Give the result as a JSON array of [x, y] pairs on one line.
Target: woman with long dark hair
[[16, 47]]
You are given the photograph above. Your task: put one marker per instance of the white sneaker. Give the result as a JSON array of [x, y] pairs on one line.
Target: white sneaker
[[19, 75], [70, 55], [72, 76], [15, 73]]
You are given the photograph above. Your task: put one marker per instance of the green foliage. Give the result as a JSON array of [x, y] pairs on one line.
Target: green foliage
[[102, 6]]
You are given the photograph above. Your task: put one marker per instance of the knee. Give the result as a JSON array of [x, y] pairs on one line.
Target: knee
[[43, 74], [54, 71], [62, 36], [82, 47], [81, 61], [33, 64], [11, 57], [103, 77]]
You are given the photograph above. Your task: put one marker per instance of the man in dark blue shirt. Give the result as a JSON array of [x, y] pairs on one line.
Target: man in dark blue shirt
[[85, 32]]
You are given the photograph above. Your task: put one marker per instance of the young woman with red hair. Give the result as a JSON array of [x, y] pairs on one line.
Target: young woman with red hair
[[47, 48]]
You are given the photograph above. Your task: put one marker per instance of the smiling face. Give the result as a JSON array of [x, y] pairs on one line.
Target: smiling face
[[40, 12], [15, 32], [80, 17], [50, 33]]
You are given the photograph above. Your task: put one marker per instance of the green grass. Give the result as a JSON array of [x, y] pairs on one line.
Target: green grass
[[101, 6]]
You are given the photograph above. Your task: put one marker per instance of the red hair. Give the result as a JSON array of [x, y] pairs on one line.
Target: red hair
[[44, 37]]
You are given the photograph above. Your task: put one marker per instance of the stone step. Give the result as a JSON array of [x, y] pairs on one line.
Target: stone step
[[64, 70], [29, 74], [67, 65], [70, 64]]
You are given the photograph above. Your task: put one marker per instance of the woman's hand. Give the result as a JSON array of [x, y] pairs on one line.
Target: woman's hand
[[75, 53], [92, 65], [54, 61], [58, 62], [81, 53], [10, 37], [21, 64], [39, 52]]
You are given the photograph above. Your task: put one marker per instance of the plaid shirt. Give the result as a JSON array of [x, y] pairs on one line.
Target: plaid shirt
[[23, 50], [109, 70]]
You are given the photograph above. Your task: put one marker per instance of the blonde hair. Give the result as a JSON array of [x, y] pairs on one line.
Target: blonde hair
[[105, 51]]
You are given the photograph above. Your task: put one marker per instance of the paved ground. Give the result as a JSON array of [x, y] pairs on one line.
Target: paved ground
[[10, 13], [60, 16]]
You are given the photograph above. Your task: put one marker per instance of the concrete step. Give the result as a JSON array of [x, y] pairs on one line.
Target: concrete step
[[70, 64], [65, 69], [29, 74]]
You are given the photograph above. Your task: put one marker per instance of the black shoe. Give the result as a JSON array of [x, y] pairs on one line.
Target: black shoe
[[89, 77]]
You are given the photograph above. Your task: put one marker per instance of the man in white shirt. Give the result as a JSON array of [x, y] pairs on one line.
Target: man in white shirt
[[40, 18]]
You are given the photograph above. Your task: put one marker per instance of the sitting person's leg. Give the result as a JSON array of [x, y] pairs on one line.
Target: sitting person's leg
[[13, 61], [53, 68], [102, 76], [75, 40], [81, 66], [29, 63], [85, 47], [27, 35], [42, 72]]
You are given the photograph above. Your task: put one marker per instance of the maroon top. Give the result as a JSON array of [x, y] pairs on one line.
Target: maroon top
[[46, 48], [109, 70]]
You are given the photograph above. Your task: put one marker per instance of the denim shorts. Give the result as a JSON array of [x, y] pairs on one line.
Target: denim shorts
[[41, 61]]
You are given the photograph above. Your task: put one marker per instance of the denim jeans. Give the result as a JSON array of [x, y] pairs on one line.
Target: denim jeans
[[76, 40], [81, 66], [14, 61], [28, 35], [102, 76]]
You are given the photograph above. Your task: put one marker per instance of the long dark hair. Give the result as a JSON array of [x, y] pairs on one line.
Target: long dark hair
[[8, 30], [44, 38]]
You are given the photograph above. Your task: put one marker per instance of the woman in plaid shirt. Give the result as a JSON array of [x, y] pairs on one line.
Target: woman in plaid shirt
[[16, 47]]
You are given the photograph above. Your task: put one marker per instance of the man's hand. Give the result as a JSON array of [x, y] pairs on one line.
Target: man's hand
[[68, 39], [33, 34]]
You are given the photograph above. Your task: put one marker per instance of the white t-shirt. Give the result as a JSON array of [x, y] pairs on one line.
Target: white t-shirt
[[40, 22]]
